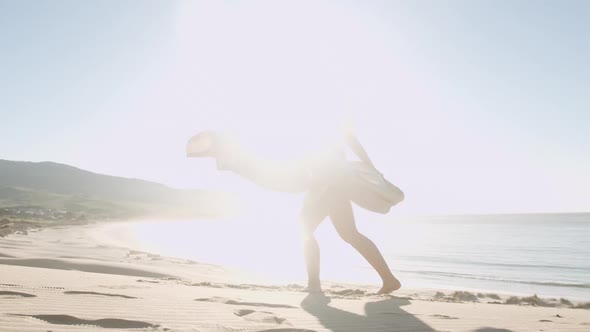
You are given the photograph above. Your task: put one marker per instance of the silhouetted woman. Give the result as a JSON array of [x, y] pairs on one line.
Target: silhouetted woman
[[331, 183]]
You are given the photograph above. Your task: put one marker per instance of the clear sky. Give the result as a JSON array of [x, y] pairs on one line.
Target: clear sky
[[469, 106]]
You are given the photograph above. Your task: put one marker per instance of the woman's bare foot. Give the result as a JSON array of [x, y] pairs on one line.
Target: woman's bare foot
[[390, 286]]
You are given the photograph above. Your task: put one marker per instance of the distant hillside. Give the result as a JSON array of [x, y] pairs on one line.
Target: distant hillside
[[58, 186]]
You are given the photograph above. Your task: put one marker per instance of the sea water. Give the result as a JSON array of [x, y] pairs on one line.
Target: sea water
[[544, 254]]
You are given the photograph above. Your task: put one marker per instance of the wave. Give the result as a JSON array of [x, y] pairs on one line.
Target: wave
[[475, 277], [470, 262]]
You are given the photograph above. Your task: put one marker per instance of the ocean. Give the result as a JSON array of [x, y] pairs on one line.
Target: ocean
[[544, 254]]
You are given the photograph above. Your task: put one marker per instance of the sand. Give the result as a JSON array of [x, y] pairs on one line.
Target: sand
[[74, 279]]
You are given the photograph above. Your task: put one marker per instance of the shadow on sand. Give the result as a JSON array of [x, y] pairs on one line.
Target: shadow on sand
[[381, 316], [385, 316]]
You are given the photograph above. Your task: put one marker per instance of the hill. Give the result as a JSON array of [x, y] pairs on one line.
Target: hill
[[49, 186]]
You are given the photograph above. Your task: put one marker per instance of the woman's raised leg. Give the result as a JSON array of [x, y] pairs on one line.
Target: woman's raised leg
[[286, 176]]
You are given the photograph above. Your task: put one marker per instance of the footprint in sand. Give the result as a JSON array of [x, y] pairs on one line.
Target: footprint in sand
[[260, 316], [96, 293], [148, 281], [108, 323], [347, 292], [14, 294], [252, 304], [206, 284], [253, 315], [443, 316], [286, 330], [243, 312]]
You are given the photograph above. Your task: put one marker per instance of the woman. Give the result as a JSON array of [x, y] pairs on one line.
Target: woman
[[331, 183]]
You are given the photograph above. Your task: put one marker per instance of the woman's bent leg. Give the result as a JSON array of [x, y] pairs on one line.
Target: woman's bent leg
[[343, 219]]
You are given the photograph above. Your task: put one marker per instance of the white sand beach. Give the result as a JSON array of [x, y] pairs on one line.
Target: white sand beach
[[200, 166], [72, 279]]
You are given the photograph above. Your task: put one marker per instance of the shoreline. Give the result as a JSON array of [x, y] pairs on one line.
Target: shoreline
[[75, 259], [362, 276], [104, 234]]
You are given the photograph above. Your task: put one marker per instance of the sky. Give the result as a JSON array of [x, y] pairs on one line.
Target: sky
[[468, 106]]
